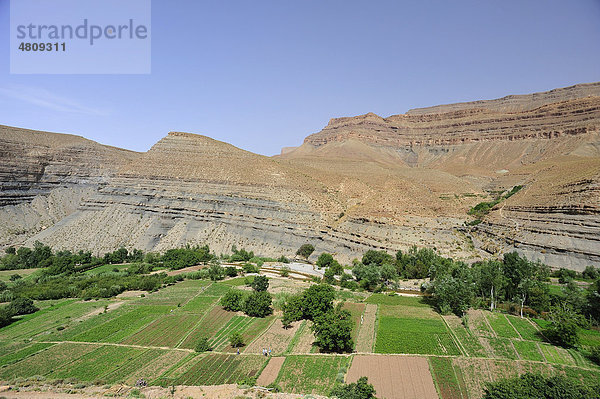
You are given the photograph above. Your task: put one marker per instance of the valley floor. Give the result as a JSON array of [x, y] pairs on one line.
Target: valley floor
[[406, 349]]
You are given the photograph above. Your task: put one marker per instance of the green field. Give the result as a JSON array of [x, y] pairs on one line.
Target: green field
[[314, 374], [419, 336], [501, 325]]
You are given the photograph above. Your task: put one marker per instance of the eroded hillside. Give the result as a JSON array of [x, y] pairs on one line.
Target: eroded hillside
[[362, 182]]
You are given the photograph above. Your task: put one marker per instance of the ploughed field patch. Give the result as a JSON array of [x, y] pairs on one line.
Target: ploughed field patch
[[395, 377]]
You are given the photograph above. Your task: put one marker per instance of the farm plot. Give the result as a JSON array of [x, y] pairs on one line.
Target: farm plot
[[50, 318], [589, 337], [208, 326], [276, 337], [166, 331], [255, 329], [46, 361], [22, 353], [303, 340], [155, 368], [133, 366], [217, 289], [199, 304], [395, 377], [235, 324], [356, 310], [312, 374], [398, 300], [478, 323], [409, 335], [366, 333], [118, 328], [525, 328], [501, 325], [214, 369], [476, 372], [270, 372], [528, 350], [554, 354], [177, 294], [97, 363], [448, 379], [465, 338], [503, 348]]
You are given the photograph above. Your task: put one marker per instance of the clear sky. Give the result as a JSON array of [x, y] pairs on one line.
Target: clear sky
[[264, 74]]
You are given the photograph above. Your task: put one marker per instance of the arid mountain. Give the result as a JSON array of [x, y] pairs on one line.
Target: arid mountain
[[362, 182], [44, 176]]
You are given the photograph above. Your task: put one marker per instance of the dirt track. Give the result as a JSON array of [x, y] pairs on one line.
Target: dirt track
[[395, 377], [270, 372]]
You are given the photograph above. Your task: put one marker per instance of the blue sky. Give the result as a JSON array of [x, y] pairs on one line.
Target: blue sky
[[265, 74]]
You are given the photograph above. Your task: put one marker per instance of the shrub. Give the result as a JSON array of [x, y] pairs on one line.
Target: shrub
[[231, 271], [203, 345], [233, 300], [260, 283], [258, 304], [285, 271], [305, 250], [356, 390], [250, 268], [236, 340], [20, 306]]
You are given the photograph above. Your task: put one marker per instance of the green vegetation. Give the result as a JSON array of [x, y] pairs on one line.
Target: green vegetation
[[360, 389], [318, 374], [483, 208], [537, 386], [305, 250], [446, 377]]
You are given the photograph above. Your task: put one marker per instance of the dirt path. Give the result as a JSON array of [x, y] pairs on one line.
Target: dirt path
[[366, 333], [270, 372], [395, 377]]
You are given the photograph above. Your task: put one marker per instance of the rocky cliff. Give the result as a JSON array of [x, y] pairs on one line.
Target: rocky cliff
[[362, 182], [44, 176]]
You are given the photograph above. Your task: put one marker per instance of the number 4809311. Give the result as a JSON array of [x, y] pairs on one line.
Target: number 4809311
[[42, 46]]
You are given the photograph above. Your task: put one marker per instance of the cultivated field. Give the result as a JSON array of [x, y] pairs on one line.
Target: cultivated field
[[395, 377], [152, 336]]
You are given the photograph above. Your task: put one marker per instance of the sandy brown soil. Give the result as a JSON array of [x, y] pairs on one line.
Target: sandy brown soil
[[395, 377], [366, 333], [270, 372]]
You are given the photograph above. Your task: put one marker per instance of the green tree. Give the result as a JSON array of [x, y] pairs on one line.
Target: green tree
[[293, 310], [236, 340], [305, 250], [258, 304], [20, 306], [360, 389], [6, 316], [216, 271], [325, 260], [317, 300], [233, 300], [203, 345], [491, 280], [372, 257], [260, 283], [564, 323], [333, 331]]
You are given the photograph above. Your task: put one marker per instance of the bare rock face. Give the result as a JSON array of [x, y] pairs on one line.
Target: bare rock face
[[34, 162], [44, 176], [361, 183]]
